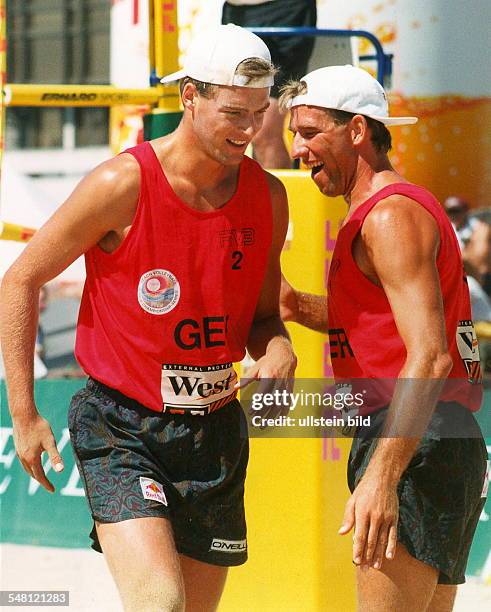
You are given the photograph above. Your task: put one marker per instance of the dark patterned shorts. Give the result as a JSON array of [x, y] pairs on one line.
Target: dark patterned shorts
[[440, 493], [189, 469]]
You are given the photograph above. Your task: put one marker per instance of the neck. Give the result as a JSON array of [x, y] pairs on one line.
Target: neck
[[373, 172]]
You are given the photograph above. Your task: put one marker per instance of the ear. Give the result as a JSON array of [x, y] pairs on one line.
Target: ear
[[189, 94], [358, 129]]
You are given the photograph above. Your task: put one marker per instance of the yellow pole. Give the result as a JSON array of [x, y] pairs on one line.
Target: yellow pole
[[77, 95], [166, 50], [151, 37]]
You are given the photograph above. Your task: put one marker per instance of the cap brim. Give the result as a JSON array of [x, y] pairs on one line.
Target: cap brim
[[395, 120], [175, 76]]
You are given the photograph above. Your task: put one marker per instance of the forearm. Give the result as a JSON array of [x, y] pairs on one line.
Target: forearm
[[18, 323], [311, 311], [266, 335], [414, 400]]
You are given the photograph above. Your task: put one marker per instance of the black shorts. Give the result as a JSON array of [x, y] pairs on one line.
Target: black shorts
[[290, 54], [189, 469], [440, 493]]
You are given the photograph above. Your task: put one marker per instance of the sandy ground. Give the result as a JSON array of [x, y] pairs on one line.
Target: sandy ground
[[84, 574]]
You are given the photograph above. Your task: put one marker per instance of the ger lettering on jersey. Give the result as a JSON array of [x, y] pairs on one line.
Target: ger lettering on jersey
[[164, 316]]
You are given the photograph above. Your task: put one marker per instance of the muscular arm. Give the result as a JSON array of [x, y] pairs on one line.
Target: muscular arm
[[401, 242], [103, 202], [405, 263], [268, 334]]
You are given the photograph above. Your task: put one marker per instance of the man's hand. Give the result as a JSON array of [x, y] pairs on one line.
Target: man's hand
[[33, 436], [373, 511], [276, 370]]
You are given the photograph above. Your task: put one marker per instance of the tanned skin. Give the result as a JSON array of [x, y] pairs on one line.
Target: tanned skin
[[345, 162], [202, 165]]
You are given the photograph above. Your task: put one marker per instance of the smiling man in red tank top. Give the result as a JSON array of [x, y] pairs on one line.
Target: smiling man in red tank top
[[182, 238], [397, 312]]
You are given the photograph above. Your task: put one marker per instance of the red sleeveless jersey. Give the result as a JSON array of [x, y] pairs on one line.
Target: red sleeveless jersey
[[166, 314], [364, 341]]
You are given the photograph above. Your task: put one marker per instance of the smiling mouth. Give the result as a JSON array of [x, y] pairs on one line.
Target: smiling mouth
[[315, 167], [239, 144]]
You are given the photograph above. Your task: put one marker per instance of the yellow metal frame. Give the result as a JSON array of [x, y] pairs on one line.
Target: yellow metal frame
[[163, 59], [77, 95]]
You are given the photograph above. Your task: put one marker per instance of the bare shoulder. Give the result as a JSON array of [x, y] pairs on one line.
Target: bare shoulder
[[103, 202], [120, 176], [399, 217], [279, 203], [107, 197], [279, 198], [276, 188]]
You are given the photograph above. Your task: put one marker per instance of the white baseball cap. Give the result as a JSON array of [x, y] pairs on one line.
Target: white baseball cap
[[349, 89], [214, 56]]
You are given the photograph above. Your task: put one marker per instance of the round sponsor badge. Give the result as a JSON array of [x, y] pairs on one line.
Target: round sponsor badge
[[158, 291]]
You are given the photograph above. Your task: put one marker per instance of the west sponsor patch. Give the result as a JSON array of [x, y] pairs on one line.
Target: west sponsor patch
[[158, 291], [153, 490], [228, 546], [468, 348], [197, 390]]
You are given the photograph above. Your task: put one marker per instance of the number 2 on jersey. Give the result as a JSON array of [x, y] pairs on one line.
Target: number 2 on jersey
[[237, 259]]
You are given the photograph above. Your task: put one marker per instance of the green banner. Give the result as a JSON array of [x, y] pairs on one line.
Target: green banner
[[31, 515]]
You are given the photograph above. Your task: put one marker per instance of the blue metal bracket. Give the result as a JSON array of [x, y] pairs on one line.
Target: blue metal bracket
[[384, 60]]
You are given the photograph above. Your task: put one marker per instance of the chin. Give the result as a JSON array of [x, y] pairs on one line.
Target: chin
[[227, 158], [327, 188], [330, 191]]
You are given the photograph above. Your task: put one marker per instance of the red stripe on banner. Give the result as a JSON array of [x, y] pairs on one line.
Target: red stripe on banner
[[136, 13]]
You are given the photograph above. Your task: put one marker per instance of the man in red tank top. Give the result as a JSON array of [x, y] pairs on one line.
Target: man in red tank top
[[399, 320], [182, 238]]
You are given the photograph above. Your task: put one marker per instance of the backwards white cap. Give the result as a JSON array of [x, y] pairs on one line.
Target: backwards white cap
[[349, 89], [214, 55]]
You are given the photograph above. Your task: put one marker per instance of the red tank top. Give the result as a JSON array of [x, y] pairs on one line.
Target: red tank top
[[364, 341], [164, 316]]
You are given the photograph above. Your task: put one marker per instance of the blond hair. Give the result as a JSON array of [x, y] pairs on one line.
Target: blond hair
[[290, 90], [252, 68]]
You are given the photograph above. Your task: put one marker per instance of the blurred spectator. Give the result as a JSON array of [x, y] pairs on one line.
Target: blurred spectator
[[474, 238], [290, 54]]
